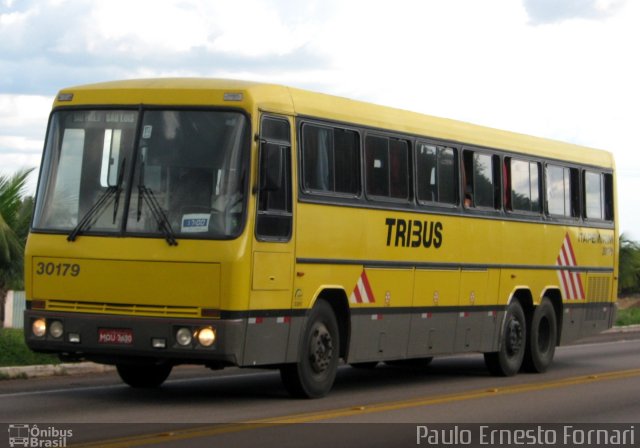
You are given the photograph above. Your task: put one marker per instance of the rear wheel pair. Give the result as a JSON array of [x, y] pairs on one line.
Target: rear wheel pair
[[525, 345]]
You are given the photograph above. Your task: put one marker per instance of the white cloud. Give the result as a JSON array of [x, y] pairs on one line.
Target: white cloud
[[553, 11], [268, 30], [21, 144], [14, 18], [23, 119], [160, 27], [562, 70], [24, 113]]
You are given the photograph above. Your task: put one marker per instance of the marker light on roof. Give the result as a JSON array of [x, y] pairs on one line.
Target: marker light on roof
[[65, 97], [233, 96]]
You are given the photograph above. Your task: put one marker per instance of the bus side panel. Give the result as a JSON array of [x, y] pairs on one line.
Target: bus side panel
[[493, 314], [589, 299], [267, 335], [435, 294], [377, 333], [377, 337], [431, 333], [476, 326], [476, 331], [599, 307], [573, 317], [266, 340]]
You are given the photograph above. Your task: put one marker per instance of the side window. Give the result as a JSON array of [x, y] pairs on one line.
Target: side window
[[523, 178], [274, 220], [436, 173], [387, 167], [608, 196], [481, 180], [598, 200], [563, 189], [331, 160], [593, 195]]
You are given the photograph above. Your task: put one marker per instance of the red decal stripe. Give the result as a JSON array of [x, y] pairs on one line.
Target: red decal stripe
[[367, 287]]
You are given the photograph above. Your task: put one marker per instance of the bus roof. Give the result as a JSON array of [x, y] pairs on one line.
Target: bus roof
[[292, 101]]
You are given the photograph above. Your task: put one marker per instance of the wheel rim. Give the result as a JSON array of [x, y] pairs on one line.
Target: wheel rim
[[320, 348], [514, 337]]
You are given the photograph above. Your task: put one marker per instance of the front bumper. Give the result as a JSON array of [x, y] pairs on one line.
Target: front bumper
[[81, 338]]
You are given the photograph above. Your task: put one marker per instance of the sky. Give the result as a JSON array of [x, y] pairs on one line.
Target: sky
[[562, 69]]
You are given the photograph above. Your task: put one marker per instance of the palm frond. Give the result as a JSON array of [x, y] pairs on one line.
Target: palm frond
[[11, 192]]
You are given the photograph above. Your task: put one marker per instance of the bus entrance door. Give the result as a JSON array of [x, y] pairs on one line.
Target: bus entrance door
[[269, 319]]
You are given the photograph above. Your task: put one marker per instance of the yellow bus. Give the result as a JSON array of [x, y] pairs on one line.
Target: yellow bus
[[230, 223]]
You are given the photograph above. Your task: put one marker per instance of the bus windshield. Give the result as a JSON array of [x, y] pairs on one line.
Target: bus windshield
[[166, 173]]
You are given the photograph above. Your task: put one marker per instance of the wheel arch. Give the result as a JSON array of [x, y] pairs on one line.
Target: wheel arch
[[525, 298], [555, 297], [337, 299]]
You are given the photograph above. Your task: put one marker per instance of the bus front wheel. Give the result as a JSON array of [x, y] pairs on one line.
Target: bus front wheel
[[542, 338], [145, 375], [314, 373], [508, 359]]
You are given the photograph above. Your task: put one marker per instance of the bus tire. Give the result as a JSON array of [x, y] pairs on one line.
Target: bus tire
[[144, 376], [314, 373], [508, 359], [542, 338]]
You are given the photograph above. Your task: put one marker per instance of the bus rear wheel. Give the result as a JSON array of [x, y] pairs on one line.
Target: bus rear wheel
[[542, 338], [508, 359], [144, 376], [314, 373]]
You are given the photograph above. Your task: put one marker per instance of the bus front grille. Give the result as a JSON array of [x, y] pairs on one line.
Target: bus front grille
[[122, 308]]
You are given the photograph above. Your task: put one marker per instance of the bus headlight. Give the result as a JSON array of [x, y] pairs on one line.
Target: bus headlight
[[183, 336], [39, 327], [206, 336], [56, 329]]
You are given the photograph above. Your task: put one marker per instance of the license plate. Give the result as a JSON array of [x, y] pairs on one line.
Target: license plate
[[117, 336]]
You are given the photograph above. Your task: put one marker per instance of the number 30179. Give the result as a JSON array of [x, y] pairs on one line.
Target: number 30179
[[58, 269]]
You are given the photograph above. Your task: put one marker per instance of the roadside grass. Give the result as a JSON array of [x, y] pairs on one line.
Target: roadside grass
[[14, 351], [629, 316]]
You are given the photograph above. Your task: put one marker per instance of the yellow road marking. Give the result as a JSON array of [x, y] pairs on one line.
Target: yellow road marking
[[225, 428]]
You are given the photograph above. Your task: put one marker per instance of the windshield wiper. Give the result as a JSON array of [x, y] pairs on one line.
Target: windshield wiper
[[146, 194], [119, 184], [94, 212], [89, 219]]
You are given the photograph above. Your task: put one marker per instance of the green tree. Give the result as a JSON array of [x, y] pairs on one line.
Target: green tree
[[629, 267], [13, 231]]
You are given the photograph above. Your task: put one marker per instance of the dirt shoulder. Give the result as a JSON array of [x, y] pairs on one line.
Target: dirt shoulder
[[629, 302]]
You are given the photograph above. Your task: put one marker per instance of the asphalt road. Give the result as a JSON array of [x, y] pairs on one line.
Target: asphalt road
[[588, 385]]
